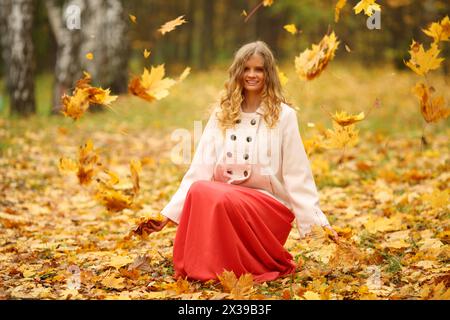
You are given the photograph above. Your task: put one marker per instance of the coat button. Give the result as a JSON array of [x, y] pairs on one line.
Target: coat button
[[233, 137], [249, 139], [229, 172], [246, 156], [253, 122], [238, 121], [245, 173], [229, 154]]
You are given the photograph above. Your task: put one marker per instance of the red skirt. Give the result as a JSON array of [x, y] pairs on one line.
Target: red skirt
[[234, 228]]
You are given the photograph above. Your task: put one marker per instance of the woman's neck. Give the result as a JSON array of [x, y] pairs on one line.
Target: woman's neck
[[251, 102]]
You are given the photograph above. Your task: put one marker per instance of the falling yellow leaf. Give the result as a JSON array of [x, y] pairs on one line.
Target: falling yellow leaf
[[267, 3], [84, 94], [146, 53], [244, 13], [432, 108], [184, 75], [283, 79], [132, 18], [310, 63], [439, 31], [151, 85], [344, 119], [337, 10], [369, 6], [341, 137], [421, 61], [90, 56], [135, 169], [291, 28], [347, 48], [171, 25]]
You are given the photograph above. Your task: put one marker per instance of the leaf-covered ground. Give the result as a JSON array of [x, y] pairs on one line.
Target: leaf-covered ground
[[387, 197]]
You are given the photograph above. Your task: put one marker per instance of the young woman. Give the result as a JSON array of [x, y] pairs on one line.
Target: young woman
[[250, 177]]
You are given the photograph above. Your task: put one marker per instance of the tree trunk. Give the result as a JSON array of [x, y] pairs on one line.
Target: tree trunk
[[67, 66], [19, 55]]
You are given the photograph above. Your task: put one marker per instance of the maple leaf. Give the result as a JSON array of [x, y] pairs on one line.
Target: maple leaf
[[171, 25], [369, 6], [267, 3], [151, 85], [344, 119], [87, 163], [112, 282], [341, 137], [113, 200], [84, 94], [132, 18], [337, 9], [238, 288], [432, 109], [291, 28], [135, 169], [439, 31], [421, 61], [311, 62]]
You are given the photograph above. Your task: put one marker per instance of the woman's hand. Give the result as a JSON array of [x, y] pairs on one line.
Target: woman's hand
[[155, 226], [334, 233]]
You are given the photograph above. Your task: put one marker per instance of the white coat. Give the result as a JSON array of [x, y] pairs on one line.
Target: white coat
[[272, 161]]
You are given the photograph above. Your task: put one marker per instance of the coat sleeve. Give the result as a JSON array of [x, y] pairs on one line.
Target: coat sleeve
[[298, 178], [201, 168]]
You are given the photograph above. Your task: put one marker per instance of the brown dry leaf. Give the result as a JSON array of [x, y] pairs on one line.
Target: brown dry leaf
[[432, 108], [171, 25], [311, 62]]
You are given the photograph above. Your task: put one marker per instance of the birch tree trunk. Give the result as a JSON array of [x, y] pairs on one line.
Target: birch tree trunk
[[18, 52], [68, 39]]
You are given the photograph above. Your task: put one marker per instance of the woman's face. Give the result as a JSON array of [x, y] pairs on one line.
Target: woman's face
[[253, 77]]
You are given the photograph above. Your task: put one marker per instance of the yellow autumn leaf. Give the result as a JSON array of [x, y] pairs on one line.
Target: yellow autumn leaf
[[439, 31], [267, 3], [337, 9], [432, 108], [421, 61], [135, 169], [146, 53], [283, 79], [344, 119], [112, 282], [369, 6], [438, 198], [184, 74], [311, 62], [90, 56], [113, 200], [151, 85], [341, 137], [84, 94], [67, 165], [171, 25], [120, 261], [311, 295], [132, 18], [87, 163], [291, 28]]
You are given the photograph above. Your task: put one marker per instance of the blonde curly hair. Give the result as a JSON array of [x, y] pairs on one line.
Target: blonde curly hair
[[233, 95]]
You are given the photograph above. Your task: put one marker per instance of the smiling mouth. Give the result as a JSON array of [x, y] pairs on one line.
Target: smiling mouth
[[252, 83]]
